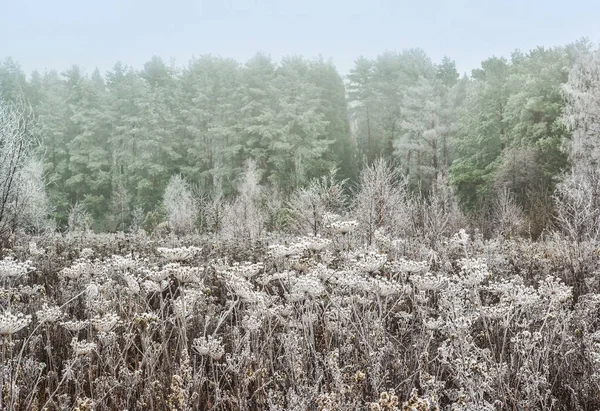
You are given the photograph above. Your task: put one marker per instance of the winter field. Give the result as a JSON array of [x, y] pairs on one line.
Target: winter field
[[337, 321]]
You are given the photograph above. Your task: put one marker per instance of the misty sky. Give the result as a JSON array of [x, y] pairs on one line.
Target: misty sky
[[58, 33]]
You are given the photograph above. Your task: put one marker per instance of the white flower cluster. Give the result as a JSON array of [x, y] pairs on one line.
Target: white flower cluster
[[86, 253], [429, 282], [82, 348], [75, 325], [12, 269], [460, 238], [554, 289], [282, 251], [408, 266], [48, 314], [179, 253], [146, 318], [371, 262], [211, 346], [383, 287], [151, 286], [184, 274], [243, 289], [11, 323], [183, 306], [245, 270], [122, 262], [80, 267], [105, 323], [473, 271], [35, 250], [513, 292], [343, 227], [305, 286], [314, 243]]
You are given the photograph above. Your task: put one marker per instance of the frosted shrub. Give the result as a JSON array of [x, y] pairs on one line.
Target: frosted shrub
[[79, 220], [382, 201], [182, 211], [244, 218], [310, 205]]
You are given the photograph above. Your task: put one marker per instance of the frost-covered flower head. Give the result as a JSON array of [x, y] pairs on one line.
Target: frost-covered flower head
[[460, 238], [209, 346], [48, 314], [184, 274], [371, 262], [554, 289], [473, 271], [74, 325], [282, 251], [34, 249], [343, 227], [383, 287], [75, 271], [11, 323], [179, 253], [12, 269], [429, 282], [305, 286], [246, 270], [183, 306], [408, 266], [82, 348], [315, 243], [86, 253], [105, 323]]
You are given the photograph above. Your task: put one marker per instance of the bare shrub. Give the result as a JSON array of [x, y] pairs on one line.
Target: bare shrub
[[243, 217], [577, 200], [507, 216], [308, 205], [180, 206], [21, 183], [79, 219], [382, 201]]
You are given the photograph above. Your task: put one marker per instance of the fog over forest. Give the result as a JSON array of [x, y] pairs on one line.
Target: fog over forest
[[342, 221]]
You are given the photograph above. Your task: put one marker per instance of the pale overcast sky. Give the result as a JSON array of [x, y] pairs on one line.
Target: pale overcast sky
[[56, 34]]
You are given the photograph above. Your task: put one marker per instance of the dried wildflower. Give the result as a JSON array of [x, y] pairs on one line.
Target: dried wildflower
[[315, 243], [92, 291], [75, 325], [429, 282], [407, 266], [12, 269], [82, 348], [473, 271], [246, 270], [371, 262], [48, 314], [185, 274], [11, 323], [460, 238], [75, 271], [132, 283], [86, 253], [281, 251], [35, 250], [144, 320], [343, 227], [211, 346], [105, 323], [179, 253], [554, 289]]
